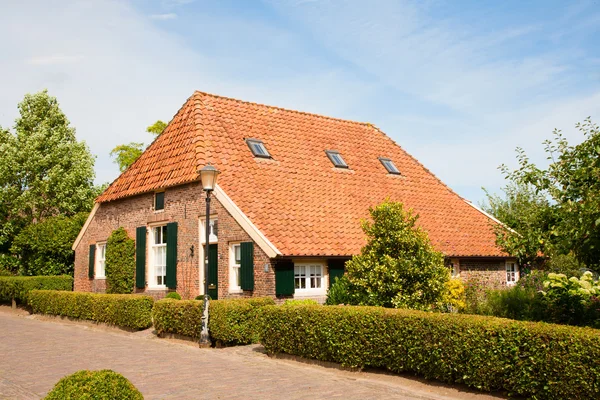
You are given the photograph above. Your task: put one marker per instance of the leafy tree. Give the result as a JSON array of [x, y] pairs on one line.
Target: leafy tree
[[120, 262], [126, 154], [398, 267], [44, 248], [44, 170], [157, 128], [527, 217], [571, 183]]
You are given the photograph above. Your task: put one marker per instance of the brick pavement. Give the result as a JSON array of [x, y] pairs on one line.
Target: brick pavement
[[35, 354]]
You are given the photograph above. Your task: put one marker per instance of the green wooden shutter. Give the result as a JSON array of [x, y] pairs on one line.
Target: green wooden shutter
[[92, 261], [247, 265], [336, 270], [172, 255], [140, 257], [284, 278]]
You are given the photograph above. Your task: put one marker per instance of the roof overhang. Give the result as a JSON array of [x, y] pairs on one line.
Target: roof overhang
[[257, 236]]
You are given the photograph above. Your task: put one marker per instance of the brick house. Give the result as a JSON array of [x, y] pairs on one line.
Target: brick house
[[286, 212]]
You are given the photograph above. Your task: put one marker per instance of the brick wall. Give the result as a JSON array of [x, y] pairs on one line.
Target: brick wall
[[489, 273], [185, 205]]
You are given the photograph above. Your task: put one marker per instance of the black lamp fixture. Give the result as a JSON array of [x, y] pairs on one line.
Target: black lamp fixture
[[208, 177]]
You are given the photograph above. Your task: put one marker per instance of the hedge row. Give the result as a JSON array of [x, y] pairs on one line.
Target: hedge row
[[232, 321], [127, 311], [536, 360], [18, 287]]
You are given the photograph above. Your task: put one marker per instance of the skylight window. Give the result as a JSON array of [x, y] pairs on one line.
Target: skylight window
[[258, 148], [336, 158], [389, 165]]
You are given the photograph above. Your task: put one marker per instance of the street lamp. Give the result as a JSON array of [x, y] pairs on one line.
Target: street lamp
[[208, 176]]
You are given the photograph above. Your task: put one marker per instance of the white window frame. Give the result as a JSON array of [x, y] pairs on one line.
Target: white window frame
[[100, 263], [455, 270], [213, 239], [154, 202], [234, 287], [151, 257], [512, 271], [308, 290]]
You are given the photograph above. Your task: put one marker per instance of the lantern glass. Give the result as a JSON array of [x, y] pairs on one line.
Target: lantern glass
[[208, 176]]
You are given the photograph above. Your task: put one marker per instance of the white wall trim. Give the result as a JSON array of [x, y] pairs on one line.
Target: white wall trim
[[85, 226], [490, 216], [247, 225]]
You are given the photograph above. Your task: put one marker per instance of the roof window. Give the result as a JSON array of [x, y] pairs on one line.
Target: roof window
[[336, 158], [258, 148], [389, 165]]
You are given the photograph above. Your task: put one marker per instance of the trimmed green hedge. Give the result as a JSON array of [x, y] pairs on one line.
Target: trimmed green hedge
[[99, 385], [536, 360], [235, 321], [231, 321], [124, 310], [18, 287]]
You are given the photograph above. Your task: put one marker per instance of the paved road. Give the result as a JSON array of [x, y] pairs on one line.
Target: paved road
[[35, 354]]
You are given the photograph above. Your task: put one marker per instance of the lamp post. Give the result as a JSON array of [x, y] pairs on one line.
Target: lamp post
[[208, 176]]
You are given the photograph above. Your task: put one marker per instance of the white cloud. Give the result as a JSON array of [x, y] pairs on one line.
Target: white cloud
[[163, 17], [54, 59]]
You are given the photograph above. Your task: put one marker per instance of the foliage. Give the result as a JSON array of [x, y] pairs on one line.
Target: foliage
[[94, 385], [182, 317], [199, 297], [518, 303], [126, 154], [44, 248], [527, 216], [18, 287], [571, 182], [173, 295], [231, 321], [339, 292], [44, 170], [564, 264], [120, 262], [157, 128], [532, 360], [454, 296], [124, 310], [398, 267], [533, 280], [300, 302], [573, 301], [9, 264], [235, 321]]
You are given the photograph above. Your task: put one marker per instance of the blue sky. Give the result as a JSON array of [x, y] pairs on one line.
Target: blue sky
[[458, 84]]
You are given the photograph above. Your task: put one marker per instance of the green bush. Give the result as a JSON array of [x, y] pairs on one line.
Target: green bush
[[300, 302], [573, 301], [173, 295], [44, 248], [534, 360], [18, 287], [398, 267], [120, 262], [181, 317], [94, 385], [518, 303], [200, 297], [127, 311], [339, 292], [234, 321], [9, 264], [231, 321]]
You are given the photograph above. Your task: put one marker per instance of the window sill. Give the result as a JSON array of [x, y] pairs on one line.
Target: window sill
[[156, 287], [236, 291], [159, 211], [310, 293], [100, 277]]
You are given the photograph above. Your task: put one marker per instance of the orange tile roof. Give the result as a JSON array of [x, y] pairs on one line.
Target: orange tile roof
[[298, 200]]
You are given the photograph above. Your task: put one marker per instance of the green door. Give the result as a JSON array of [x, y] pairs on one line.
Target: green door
[[213, 271]]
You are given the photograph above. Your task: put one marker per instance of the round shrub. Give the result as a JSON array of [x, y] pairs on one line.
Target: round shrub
[[97, 385], [200, 297], [120, 262], [173, 295]]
